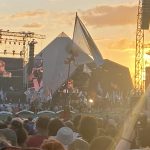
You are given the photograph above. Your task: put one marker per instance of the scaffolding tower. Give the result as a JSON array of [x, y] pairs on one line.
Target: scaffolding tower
[[23, 39], [139, 55]]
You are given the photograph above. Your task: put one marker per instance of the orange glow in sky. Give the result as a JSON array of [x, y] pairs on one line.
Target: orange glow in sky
[[112, 24]]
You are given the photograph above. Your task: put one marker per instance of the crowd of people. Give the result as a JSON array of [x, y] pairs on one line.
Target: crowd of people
[[83, 132]]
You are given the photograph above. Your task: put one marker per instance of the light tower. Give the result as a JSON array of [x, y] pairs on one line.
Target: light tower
[[143, 20]]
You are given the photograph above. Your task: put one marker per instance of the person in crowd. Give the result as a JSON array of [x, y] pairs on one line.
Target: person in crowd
[[111, 130], [65, 135], [66, 114], [69, 124], [100, 122], [9, 135], [3, 125], [8, 120], [53, 126], [29, 126], [4, 142], [52, 144], [20, 131], [42, 133], [78, 144], [144, 136], [102, 143], [76, 122], [88, 128], [101, 132], [3, 71], [136, 131]]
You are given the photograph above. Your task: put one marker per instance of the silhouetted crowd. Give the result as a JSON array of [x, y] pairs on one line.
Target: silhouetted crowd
[[78, 133]]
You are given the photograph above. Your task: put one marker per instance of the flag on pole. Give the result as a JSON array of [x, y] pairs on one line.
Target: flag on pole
[[83, 39]]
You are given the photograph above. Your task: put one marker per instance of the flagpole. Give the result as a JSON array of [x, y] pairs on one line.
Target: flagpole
[[68, 62], [75, 25]]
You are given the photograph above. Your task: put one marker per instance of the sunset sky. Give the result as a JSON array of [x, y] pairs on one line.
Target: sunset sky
[[111, 23]]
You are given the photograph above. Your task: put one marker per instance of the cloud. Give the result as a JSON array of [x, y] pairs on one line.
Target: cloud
[[99, 16], [110, 15], [122, 44], [30, 14], [62, 17], [120, 50], [33, 25]]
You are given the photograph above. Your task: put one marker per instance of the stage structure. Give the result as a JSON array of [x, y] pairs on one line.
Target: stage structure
[[143, 21], [17, 45], [82, 47]]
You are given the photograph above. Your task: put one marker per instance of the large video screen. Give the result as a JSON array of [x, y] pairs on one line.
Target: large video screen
[[36, 76], [11, 74]]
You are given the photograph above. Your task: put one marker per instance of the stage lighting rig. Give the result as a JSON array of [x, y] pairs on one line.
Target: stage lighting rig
[[20, 45], [143, 19], [20, 38]]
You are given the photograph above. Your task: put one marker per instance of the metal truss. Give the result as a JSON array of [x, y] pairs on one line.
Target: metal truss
[[23, 39], [139, 55]]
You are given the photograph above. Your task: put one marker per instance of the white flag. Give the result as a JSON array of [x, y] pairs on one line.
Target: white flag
[[83, 39]]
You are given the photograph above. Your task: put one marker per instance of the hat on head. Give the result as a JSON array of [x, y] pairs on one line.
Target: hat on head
[[65, 135]]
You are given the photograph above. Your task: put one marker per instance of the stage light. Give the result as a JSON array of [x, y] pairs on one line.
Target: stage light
[[91, 101], [13, 52], [5, 52]]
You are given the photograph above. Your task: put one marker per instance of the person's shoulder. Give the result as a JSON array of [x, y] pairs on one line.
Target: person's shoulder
[[35, 140]]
